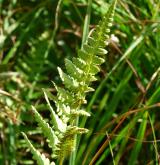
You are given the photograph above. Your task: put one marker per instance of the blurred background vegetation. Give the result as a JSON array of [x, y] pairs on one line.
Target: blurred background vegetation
[[36, 36]]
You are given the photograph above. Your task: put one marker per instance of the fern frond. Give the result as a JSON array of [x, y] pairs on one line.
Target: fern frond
[[46, 129], [80, 113], [67, 141], [40, 158], [77, 113], [73, 70], [64, 95], [58, 124], [80, 63], [68, 81], [79, 74]]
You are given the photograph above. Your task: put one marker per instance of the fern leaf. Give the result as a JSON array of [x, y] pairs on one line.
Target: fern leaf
[[80, 63], [40, 158], [83, 55], [79, 113], [98, 60], [56, 121], [73, 71], [87, 89], [64, 95], [94, 69], [68, 81], [46, 129], [67, 141], [90, 78]]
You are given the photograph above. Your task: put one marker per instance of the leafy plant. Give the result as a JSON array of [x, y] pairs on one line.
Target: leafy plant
[[80, 72]]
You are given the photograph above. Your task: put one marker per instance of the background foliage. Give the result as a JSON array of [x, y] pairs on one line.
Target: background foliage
[[36, 36]]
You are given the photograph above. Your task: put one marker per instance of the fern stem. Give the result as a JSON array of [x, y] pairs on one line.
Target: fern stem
[[74, 153], [61, 161]]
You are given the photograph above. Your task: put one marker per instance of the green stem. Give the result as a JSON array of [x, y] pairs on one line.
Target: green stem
[[61, 161], [74, 153]]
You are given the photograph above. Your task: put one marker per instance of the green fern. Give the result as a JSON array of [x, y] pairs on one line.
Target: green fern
[[48, 131], [41, 159], [80, 72]]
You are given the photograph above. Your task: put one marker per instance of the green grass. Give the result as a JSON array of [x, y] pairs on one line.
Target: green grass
[[36, 36]]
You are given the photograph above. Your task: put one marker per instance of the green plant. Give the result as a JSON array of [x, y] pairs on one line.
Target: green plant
[[81, 71]]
